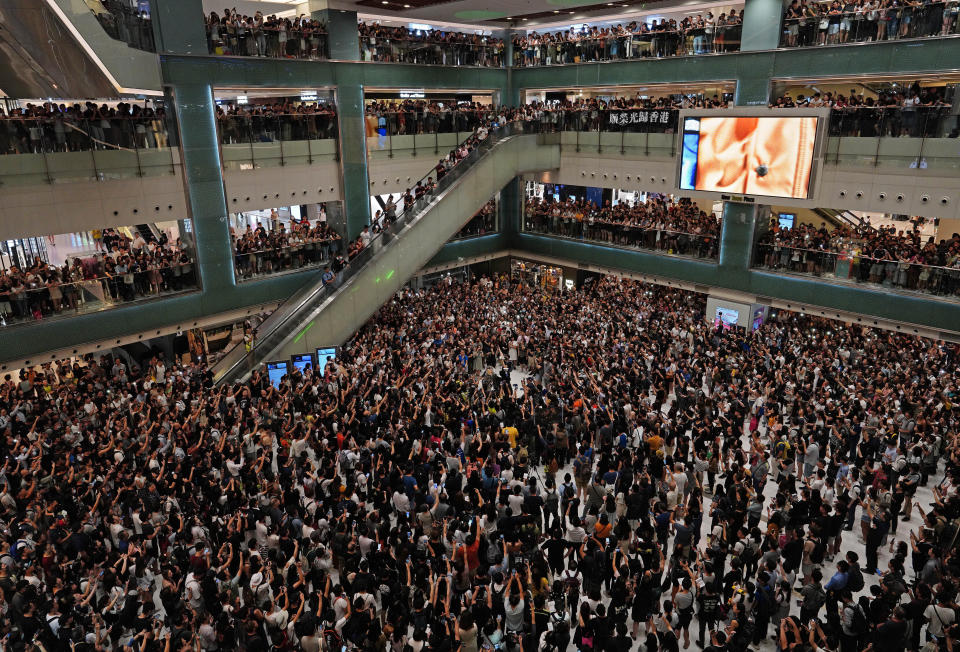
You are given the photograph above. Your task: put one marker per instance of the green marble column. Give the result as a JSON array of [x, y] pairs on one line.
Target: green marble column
[[207, 201], [344, 38], [353, 156], [178, 26], [762, 22], [736, 241], [511, 208]]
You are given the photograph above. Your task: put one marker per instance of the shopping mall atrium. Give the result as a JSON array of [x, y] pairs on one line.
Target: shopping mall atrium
[[446, 325]]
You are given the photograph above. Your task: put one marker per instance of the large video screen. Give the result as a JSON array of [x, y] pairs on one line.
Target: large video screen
[[768, 156]]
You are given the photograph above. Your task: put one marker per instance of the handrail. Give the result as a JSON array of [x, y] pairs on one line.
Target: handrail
[[534, 52], [871, 24], [278, 324], [853, 256]]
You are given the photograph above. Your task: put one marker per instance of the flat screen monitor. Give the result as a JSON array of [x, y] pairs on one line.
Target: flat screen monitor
[[768, 156], [324, 356], [786, 220], [301, 361], [276, 371]]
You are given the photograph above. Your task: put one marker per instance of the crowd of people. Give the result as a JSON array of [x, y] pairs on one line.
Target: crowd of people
[[697, 34], [123, 269], [661, 223], [482, 223], [885, 255], [914, 111], [834, 22], [258, 251], [241, 35], [123, 22], [282, 120], [51, 127], [383, 43], [413, 117], [486, 467]]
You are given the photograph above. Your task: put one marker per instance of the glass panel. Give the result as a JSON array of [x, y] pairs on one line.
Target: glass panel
[[57, 143], [692, 35], [399, 44], [238, 35], [834, 23], [678, 228], [849, 264], [130, 24]]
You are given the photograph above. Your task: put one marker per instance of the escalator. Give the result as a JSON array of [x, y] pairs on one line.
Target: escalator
[[837, 218], [320, 315], [62, 48]]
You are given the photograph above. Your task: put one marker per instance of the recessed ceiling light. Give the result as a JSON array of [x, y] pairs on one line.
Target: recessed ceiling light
[[571, 13], [384, 2], [556, 11]]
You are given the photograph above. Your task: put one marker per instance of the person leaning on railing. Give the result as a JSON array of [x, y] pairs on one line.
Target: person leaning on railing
[[879, 256], [676, 227], [258, 251]]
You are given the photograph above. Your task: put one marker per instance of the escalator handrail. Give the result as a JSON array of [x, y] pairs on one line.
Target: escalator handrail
[[308, 295]]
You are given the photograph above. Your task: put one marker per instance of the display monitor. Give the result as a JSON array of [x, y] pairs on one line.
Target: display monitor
[[301, 361], [726, 317], [324, 356], [769, 156], [276, 371], [786, 220]]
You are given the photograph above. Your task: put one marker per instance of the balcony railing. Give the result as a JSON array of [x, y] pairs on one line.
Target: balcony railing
[[311, 253], [414, 50], [634, 236], [247, 41], [926, 20], [669, 43], [23, 304], [62, 148], [252, 141], [851, 267]]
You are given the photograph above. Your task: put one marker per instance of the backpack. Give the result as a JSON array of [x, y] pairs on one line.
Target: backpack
[[858, 624], [855, 579], [818, 552], [782, 449]]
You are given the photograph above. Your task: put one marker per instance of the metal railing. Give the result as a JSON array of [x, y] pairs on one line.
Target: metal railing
[[306, 254], [869, 23], [635, 236], [67, 148], [415, 50], [284, 321], [667, 43], [267, 41], [52, 299], [935, 121], [849, 266], [278, 127]]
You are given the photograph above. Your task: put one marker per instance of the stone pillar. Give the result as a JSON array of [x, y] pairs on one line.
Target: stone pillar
[[178, 26], [762, 24], [736, 240], [208, 203]]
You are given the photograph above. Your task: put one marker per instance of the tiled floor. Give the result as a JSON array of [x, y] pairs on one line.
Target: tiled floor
[[850, 541]]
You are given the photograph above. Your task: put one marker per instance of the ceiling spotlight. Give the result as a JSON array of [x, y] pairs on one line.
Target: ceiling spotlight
[[556, 11], [571, 13], [384, 2]]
